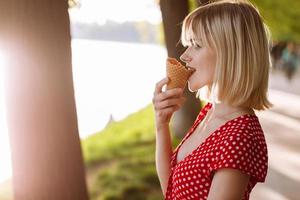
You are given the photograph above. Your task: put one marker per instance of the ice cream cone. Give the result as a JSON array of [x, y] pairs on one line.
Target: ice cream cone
[[177, 73]]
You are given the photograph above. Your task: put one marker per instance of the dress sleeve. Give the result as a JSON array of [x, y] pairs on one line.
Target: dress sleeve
[[244, 151]]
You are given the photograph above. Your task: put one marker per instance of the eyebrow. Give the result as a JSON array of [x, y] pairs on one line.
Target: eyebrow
[[193, 42]]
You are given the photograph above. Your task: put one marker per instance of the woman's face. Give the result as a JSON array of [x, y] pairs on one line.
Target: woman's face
[[203, 60]]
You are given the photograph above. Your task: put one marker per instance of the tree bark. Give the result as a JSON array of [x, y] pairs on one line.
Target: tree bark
[[42, 122], [173, 14]]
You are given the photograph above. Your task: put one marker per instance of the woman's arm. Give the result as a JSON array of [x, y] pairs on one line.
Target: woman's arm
[[163, 155], [228, 184], [165, 104]]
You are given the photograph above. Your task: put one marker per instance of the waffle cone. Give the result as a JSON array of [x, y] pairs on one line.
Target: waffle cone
[[177, 73]]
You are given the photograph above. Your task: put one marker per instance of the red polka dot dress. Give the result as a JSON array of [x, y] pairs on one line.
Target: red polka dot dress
[[237, 144]]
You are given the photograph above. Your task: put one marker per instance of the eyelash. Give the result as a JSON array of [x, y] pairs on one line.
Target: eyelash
[[197, 46]]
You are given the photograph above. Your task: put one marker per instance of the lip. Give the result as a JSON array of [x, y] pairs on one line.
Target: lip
[[190, 69]]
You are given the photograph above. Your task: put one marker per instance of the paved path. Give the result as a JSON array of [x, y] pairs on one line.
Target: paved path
[[278, 81], [281, 125]]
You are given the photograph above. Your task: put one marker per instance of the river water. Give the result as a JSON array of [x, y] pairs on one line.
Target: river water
[[110, 78]]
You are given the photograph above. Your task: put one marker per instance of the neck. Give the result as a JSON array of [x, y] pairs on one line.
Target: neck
[[221, 109]]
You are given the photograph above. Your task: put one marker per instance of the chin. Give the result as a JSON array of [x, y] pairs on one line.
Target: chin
[[195, 88], [192, 88]]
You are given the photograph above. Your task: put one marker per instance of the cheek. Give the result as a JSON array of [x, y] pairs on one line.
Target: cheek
[[210, 65], [205, 65], [205, 71], [200, 79], [206, 62], [203, 76]]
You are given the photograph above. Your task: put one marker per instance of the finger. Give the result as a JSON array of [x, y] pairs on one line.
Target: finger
[[177, 92], [167, 111], [169, 102], [173, 93], [176, 108], [160, 84]]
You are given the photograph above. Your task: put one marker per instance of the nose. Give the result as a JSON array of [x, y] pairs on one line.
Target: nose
[[185, 57]]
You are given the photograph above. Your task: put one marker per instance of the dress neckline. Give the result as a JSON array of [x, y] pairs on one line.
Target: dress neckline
[[206, 108]]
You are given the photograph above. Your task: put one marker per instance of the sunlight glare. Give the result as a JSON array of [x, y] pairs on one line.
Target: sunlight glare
[[5, 156]]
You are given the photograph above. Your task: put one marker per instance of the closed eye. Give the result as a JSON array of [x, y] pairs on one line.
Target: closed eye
[[196, 46]]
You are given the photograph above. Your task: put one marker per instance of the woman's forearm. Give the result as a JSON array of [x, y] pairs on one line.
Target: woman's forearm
[[165, 104], [163, 155]]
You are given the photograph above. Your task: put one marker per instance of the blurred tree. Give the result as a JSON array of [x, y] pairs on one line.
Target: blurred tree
[[42, 123], [173, 13], [282, 17]]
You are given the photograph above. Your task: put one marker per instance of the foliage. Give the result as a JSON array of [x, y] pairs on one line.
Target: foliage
[[282, 17], [192, 4], [129, 148]]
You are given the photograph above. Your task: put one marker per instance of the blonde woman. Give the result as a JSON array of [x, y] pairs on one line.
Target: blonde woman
[[224, 154]]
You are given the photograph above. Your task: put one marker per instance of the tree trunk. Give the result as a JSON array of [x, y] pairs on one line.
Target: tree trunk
[[42, 122], [173, 13]]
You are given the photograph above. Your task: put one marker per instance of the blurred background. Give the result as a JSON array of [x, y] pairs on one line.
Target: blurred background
[[119, 50]]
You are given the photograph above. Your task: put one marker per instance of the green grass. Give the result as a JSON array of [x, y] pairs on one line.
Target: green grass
[[121, 160], [128, 146]]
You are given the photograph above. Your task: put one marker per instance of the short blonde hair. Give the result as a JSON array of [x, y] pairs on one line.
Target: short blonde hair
[[236, 32]]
